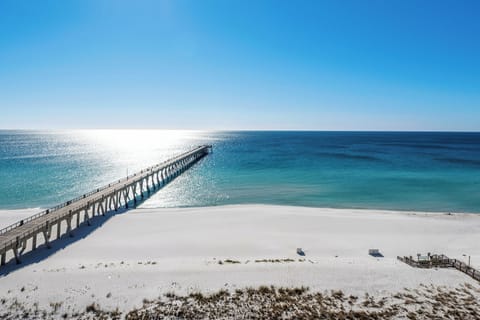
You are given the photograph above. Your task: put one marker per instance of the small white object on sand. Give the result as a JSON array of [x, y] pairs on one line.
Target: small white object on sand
[[182, 240]]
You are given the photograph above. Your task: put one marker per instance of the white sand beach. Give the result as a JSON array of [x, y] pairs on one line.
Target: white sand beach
[[144, 253], [8, 217]]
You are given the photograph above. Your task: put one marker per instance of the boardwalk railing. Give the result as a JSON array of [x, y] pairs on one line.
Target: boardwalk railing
[[441, 261], [14, 238]]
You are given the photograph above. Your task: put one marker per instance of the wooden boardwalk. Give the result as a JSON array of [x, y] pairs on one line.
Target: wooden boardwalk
[[442, 261], [17, 238]]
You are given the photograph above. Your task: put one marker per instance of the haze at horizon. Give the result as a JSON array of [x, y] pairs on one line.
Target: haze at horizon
[[312, 65]]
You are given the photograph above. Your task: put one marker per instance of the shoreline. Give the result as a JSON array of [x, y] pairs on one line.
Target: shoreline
[[31, 211], [144, 253], [8, 217]]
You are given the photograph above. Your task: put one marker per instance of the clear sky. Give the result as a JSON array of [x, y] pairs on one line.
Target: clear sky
[[202, 64]]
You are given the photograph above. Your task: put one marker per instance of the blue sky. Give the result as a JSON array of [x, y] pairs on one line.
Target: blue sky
[[310, 65]]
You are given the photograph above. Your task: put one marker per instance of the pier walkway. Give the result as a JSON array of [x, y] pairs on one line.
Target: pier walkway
[[64, 218]]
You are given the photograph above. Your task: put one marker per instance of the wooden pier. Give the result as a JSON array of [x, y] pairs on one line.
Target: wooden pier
[[18, 237], [441, 261]]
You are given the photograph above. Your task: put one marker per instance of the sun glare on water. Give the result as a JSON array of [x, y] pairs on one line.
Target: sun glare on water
[[123, 152], [142, 147]]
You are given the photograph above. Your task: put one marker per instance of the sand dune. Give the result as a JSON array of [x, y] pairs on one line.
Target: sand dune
[[143, 253]]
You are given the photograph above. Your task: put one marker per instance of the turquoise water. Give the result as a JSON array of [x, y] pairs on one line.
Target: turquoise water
[[381, 170]]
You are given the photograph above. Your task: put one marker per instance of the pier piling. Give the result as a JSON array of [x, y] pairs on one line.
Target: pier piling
[[13, 239]]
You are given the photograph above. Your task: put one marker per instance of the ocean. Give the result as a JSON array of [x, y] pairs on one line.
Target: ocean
[[422, 171]]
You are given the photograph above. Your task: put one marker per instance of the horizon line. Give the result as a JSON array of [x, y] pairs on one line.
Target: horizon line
[[242, 130]]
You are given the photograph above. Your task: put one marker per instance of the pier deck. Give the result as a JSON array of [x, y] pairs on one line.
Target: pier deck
[[77, 211]]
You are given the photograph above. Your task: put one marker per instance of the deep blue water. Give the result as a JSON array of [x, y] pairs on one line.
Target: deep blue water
[[384, 170]]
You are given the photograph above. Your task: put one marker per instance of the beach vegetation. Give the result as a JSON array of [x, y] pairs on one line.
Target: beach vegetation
[[270, 302], [232, 261]]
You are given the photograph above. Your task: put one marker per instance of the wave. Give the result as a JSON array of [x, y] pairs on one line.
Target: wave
[[426, 146], [349, 156], [460, 161], [46, 156]]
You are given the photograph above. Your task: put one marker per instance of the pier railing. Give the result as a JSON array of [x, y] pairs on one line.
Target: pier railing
[[67, 203], [441, 261], [108, 197]]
